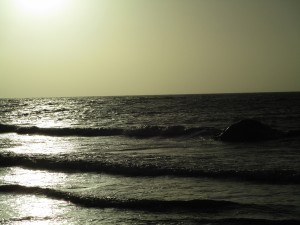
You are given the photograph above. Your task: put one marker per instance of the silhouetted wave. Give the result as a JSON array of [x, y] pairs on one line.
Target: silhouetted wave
[[134, 204], [249, 130], [138, 132], [81, 165]]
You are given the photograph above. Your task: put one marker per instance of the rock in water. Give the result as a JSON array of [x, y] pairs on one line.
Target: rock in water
[[249, 130]]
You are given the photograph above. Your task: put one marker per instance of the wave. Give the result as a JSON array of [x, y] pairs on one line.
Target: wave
[[135, 132], [208, 206], [134, 204], [138, 132], [66, 164]]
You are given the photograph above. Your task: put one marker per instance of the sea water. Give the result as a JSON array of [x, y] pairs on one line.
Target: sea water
[[148, 160]]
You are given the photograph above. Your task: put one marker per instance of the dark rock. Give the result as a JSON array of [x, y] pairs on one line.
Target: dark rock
[[249, 130]]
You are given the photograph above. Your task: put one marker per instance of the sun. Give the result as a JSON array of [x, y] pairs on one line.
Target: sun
[[41, 7]]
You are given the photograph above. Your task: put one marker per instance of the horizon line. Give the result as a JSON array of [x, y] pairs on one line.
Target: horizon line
[[149, 95]]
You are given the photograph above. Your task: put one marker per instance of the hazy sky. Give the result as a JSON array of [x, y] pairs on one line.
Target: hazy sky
[[129, 47]]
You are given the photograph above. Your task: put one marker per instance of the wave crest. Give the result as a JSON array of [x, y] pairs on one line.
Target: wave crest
[[137, 132], [80, 165], [134, 204]]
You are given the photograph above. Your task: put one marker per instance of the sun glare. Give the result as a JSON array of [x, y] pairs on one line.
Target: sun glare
[[41, 7]]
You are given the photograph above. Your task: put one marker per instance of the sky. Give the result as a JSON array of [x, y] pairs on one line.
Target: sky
[[52, 48]]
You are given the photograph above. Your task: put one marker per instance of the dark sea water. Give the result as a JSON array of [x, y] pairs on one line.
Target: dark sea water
[[148, 160]]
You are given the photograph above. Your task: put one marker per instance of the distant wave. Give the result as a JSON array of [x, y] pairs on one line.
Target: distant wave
[[138, 132], [81, 165], [134, 204]]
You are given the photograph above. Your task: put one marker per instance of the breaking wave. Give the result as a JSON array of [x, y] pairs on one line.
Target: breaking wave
[[134, 204], [208, 206], [135, 132], [138, 132], [66, 164]]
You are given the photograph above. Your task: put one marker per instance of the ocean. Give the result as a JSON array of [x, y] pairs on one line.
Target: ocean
[[148, 160]]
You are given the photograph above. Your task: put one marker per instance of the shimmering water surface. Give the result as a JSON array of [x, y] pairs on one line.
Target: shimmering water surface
[[147, 160]]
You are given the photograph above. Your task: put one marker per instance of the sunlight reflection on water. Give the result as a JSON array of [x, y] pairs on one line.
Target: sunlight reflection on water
[[36, 206], [26, 177], [50, 123], [38, 144], [30, 209], [33, 209]]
